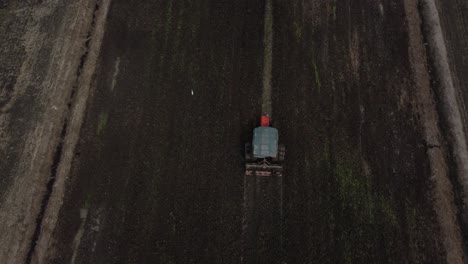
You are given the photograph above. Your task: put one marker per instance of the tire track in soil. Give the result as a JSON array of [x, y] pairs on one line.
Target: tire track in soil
[[267, 58], [263, 204]]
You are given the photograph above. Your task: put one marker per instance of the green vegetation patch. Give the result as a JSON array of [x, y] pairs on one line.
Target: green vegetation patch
[[354, 195], [360, 215], [166, 259], [334, 10], [87, 200], [297, 30], [103, 118], [3, 15], [317, 77], [369, 221], [167, 30], [168, 23]]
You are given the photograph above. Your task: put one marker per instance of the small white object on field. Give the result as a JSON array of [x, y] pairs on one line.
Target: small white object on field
[[381, 9], [191, 91]]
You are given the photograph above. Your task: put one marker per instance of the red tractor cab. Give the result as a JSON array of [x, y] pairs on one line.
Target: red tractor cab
[[265, 120]]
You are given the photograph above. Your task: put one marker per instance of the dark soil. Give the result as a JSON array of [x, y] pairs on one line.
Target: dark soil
[[160, 170], [158, 173], [262, 238], [357, 188]]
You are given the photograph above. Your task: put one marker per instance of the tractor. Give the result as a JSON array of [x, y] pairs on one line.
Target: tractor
[[264, 155]]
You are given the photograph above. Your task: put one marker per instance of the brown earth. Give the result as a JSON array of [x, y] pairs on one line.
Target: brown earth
[[157, 173], [454, 22], [40, 50]]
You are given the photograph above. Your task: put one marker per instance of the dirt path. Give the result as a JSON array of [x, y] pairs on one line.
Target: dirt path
[[72, 134], [444, 193], [267, 58], [451, 99], [453, 24]]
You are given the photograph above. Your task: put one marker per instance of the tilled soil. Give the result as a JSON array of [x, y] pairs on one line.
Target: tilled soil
[[358, 187], [262, 226], [157, 174], [159, 164]]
